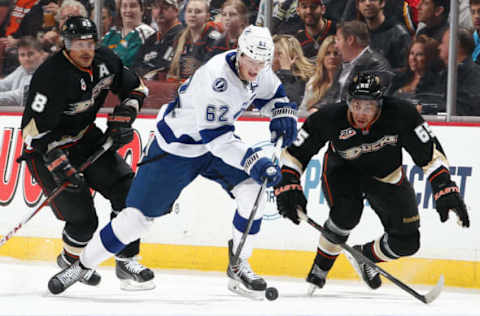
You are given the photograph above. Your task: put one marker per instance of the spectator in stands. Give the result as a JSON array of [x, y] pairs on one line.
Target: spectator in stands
[[156, 54], [328, 63], [15, 85], [126, 40], [107, 19], [434, 14], [403, 11], [468, 72], [388, 37], [234, 18], [39, 20], [419, 80], [315, 27], [196, 34], [291, 66], [68, 8], [475, 12], [21, 8], [352, 40]]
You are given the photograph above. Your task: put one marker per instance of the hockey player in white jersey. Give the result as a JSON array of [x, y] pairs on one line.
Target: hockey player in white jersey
[[194, 135]]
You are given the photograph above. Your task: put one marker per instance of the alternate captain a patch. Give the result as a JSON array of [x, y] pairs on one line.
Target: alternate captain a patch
[[219, 85]]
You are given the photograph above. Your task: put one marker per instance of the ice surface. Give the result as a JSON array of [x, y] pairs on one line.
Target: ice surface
[[23, 291]]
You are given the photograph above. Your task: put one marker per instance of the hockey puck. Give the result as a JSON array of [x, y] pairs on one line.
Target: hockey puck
[[271, 293]]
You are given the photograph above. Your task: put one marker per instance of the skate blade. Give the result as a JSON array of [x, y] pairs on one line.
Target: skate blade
[[311, 289], [130, 285], [237, 288]]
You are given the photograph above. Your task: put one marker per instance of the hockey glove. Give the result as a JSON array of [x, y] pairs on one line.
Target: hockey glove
[[58, 164], [261, 168], [447, 197], [119, 124], [289, 194], [284, 123]]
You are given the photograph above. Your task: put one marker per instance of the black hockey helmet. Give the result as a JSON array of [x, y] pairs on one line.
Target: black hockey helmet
[[79, 27], [367, 86]]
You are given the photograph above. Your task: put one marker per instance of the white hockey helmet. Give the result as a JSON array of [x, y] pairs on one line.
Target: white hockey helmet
[[256, 42]]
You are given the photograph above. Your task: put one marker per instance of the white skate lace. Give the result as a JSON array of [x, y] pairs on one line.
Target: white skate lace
[[132, 265], [71, 274], [243, 268], [371, 273]]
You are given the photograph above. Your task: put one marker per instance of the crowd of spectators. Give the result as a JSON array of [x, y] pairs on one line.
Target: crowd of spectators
[[319, 44]]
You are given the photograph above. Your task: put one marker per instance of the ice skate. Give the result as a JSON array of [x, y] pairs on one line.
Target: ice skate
[[133, 275], [64, 261], [367, 273], [67, 277], [316, 277], [243, 280]]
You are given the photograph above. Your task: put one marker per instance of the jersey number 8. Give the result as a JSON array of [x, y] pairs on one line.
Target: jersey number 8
[[38, 104]]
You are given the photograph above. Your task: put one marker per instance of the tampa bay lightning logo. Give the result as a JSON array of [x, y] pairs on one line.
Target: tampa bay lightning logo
[[219, 85]]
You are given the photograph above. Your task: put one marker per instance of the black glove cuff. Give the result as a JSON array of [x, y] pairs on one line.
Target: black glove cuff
[[439, 179], [123, 116], [289, 176]]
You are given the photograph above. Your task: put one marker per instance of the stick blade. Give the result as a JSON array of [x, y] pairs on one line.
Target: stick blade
[[435, 292]]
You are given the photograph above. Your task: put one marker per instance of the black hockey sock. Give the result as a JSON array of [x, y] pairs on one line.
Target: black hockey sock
[[369, 252], [324, 260]]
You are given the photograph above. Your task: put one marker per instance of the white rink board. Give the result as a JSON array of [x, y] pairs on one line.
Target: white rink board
[[204, 212]]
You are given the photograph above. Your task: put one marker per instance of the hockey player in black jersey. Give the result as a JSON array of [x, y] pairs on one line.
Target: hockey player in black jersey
[[59, 133], [365, 138]]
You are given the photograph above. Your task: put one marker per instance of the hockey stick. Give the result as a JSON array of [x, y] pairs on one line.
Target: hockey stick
[[275, 157], [108, 143], [427, 298]]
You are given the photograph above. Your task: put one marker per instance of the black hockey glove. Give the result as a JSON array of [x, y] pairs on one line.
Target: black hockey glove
[[58, 164], [289, 194], [119, 124], [447, 197]]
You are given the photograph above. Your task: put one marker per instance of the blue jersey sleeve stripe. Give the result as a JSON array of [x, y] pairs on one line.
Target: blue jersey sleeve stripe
[[260, 103], [209, 134], [170, 137]]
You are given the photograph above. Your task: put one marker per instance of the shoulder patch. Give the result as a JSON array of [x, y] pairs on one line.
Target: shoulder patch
[[219, 85], [215, 35]]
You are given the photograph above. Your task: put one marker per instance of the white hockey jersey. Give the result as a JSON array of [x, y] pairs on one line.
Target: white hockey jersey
[[201, 119]]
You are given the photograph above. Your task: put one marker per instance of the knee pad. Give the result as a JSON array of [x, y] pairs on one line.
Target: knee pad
[[245, 194], [77, 234], [119, 191], [404, 244], [335, 234], [130, 224]]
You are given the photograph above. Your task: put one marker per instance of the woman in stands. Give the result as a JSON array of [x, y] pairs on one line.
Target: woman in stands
[[328, 62], [195, 35], [291, 66], [127, 39], [233, 18], [418, 81]]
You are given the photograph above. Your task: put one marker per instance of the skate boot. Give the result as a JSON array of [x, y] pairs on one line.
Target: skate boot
[[243, 280], [316, 277], [64, 261], [68, 276], [369, 275], [133, 275]]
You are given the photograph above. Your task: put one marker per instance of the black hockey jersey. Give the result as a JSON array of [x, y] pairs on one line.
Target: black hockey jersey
[[375, 151], [63, 99]]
